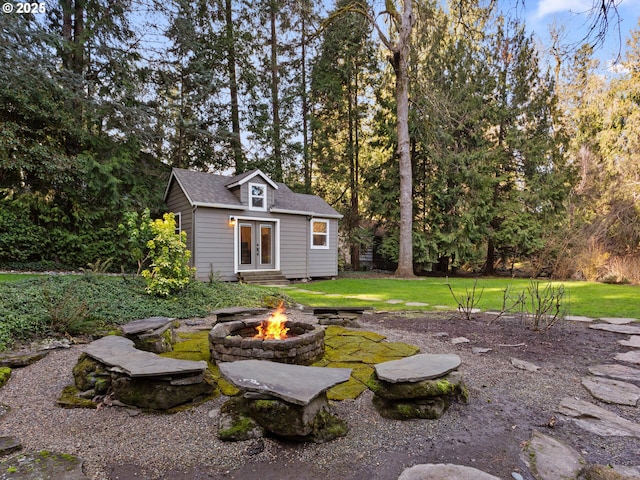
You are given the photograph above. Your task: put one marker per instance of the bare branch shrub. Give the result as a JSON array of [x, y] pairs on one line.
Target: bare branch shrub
[[468, 302], [544, 306]]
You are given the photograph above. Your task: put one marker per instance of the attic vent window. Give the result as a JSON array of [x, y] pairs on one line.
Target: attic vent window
[[257, 196]]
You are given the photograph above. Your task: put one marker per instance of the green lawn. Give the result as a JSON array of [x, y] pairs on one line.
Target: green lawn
[[580, 298], [14, 277]]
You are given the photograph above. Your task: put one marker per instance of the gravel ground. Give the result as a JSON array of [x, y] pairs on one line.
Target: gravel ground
[[505, 406]]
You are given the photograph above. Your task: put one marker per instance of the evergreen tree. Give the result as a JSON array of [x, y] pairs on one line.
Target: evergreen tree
[[339, 78]]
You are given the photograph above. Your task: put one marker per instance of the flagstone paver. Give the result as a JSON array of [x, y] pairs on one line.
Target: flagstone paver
[[612, 391], [597, 420], [632, 341], [444, 471], [578, 318], [629, 357], [618, 321], [550, 459], [617, 371], [626, 329]]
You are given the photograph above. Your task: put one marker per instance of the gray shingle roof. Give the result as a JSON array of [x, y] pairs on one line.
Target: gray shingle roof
[[208, 189]]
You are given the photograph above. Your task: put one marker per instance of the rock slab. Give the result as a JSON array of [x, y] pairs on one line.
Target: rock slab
[[626, 329], [416, 368], [522, 365], [612, 391], [444, 472], [617, 320], [598, 420], [295, 384], [550, 459], [617, 371], [633, 341], [629, 357], [43, 465], [120, 352]]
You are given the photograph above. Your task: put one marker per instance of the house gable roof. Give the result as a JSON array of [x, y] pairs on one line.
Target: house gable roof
[[204, 189], [245, 177]]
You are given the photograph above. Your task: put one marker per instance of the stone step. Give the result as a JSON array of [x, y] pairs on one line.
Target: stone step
[[263, 278]]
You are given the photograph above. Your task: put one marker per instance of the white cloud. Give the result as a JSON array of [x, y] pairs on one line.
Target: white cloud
[[548, 7]]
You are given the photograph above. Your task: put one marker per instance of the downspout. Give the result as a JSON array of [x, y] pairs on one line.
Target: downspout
[[193, 237], [308, 242]]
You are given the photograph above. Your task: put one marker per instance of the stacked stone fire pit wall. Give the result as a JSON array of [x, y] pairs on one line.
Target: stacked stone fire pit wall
[[232, 341]]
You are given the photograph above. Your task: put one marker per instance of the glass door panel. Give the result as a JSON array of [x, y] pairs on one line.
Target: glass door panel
[[246, 244], [266, 245]]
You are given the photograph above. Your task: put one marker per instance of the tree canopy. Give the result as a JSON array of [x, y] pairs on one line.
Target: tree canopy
[[445, 136]]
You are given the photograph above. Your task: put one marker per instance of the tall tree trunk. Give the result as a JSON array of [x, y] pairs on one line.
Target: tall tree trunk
[[67, 34], [236, 142], [354, 215], [306, 158], [399, 62], [78, 37], [275, 99]]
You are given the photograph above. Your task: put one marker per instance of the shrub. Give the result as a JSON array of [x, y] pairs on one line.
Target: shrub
[[170, 270]]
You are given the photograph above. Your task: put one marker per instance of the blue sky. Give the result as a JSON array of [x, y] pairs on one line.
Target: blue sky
[[574, 17]]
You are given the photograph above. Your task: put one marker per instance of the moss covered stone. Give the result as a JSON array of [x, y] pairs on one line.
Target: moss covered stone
[[310, 423], [88, 371], [449, 385], [235, 425], [42, 464], [70, 398], [429, 409], [5, 374], [159, 394]]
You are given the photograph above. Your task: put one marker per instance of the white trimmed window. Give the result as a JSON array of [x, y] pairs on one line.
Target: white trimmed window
[[320, 234], [178, 218], [257, 196]]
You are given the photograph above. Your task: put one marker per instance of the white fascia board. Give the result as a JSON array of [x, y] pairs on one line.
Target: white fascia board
[[219, 205], [166, 192], [309, 214], [253, 175]]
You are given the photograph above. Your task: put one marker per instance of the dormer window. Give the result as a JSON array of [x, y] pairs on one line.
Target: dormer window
[[257, 196]]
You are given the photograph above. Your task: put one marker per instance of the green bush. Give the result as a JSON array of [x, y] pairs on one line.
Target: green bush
[[170, 270]]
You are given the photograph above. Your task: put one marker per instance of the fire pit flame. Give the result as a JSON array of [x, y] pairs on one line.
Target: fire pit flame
[[273, 328]]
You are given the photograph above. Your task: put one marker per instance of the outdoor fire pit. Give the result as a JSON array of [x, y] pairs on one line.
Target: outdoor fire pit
[[275, 338]]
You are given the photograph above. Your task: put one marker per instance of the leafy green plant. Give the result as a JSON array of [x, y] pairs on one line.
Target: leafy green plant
[[170, 270], [137, 227], [98, 267], [69, 313]]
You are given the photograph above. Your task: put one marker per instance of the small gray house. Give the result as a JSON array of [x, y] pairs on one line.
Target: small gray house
[[239, 225]]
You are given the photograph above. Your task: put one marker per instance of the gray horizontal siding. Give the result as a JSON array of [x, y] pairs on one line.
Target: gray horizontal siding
[[214, 247], [177, 202], [324, 262], [294, 234]]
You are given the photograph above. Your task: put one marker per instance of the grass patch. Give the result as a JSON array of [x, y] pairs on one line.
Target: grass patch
[[79, 304], [17, 277], [580, 298]]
